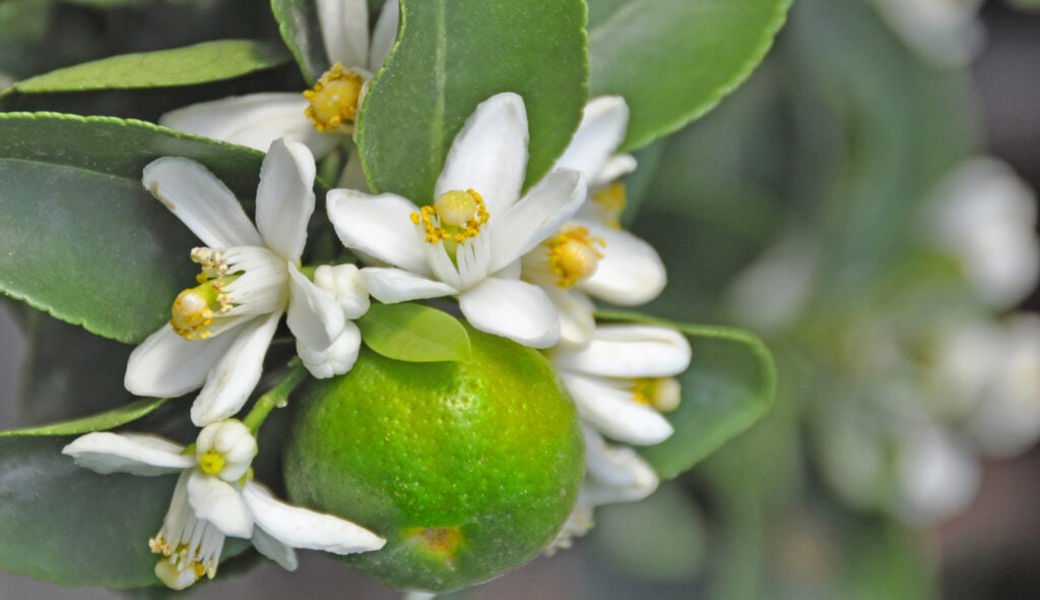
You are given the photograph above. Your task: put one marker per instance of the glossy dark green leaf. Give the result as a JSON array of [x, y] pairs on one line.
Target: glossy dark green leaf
[[301, 32], [674, 60], [200, 63], [414, 333], [720, 396], [79, 236], [450, 56]]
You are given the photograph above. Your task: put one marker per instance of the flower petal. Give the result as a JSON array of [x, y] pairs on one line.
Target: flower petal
[[612, 410], [598, 136], [132, 453], [303, 528], [535, 217], [384, 34], [201, 201], [344, 29], [512, 309], [254, 120], [167, 365], [630, 272], [338, 358], [390, 286], [617, 166], [216, 501], [629, 351], [285, 198], [233, 379], [489, 154], [575, 312], [346, 286], [271, 548], [379, 226], [615, 474], [314, 316]]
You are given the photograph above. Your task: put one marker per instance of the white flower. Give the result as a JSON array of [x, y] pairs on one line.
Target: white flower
[[623, 379], [220, 330], [328, 109], [215, 497], [986, 216], [946, 32], [592, 255], [468, 243]]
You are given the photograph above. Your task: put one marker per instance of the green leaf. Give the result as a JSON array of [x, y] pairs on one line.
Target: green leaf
[[301, 31], [79, 236], [717, 404], [452, 55], [674, 60], [414, 333], [201, 63], [100, 422]]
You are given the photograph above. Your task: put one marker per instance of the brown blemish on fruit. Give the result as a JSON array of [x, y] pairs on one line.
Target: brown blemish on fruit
[[442, 541]]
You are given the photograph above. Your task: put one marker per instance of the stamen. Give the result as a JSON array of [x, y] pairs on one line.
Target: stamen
[[211, 463], [334, 99], [662, 393], [573, 255], [611, 202], [455, 217]]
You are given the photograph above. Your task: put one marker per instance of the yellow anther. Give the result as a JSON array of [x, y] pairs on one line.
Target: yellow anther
[[573, 255], [611, 202], [455, 216], [662, 393], [211, 463], [334, 99]]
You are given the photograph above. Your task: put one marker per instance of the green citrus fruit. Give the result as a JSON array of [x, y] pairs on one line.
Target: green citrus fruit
[[467, 468]]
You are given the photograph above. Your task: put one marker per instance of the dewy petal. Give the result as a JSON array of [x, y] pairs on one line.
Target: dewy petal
[[218, 502], [132, 453], [233, 379], [201, 201], [302, 528], [630, 273], [285, 198], [575, 311], [167, 365], [512, 309], [390, 286], [254, 120], [384, 34], [379, 226], [612, 410], [489, 154], [598, 136], [629, 351], [535, 217], [314, 316], [271, 548], [344, 29]]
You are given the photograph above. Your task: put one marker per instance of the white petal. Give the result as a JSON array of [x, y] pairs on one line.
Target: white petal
[[598, 136], [166, 365], [384, 34], [285, 199], [616, 167], [379, 226], [344, 29], [314, 316], [489, 154], [254, 120], [630, 272], [338, 358], [216, 501], [512, 309], [615, 474], [233, 379], [273, 549], [133, 453], [575, 311], [535, 217], [345, 284], [612, 410], [200, 201], [629, 351], [303, 528], [390, 286]]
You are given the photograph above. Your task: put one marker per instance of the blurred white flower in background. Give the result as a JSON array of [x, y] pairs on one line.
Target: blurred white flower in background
[[947, 33]]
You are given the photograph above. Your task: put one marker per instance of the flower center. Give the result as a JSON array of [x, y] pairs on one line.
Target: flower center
[[455, 217], [193, 309], [211, 463], [610, 202], [334, 99], [662, 393], [573, 255]]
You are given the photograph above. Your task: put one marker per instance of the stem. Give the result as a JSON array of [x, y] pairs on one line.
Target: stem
[[276, 397]]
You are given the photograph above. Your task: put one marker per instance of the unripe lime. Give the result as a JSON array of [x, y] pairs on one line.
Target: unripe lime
[[468, 469]]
